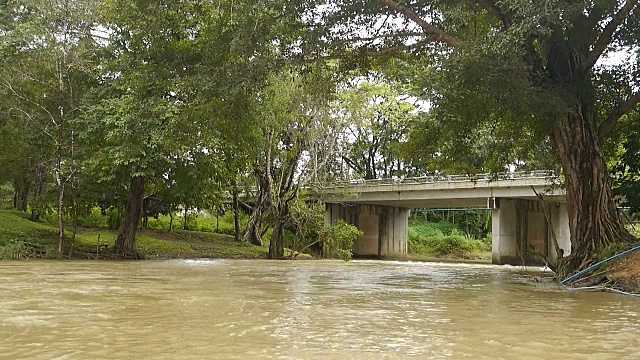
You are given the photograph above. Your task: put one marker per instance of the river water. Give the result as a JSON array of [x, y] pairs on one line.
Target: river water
[[228, 309]]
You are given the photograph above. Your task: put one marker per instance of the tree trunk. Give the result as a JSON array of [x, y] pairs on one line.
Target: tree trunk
[[170, 219], [74, 229], [253, 234], [184, 225], [60, 222], [22, 188], [594, 220], [276, 247], [236, 216], [125, 246], [41, 173]]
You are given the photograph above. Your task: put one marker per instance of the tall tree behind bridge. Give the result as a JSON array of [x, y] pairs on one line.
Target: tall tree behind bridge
[[379, 120]]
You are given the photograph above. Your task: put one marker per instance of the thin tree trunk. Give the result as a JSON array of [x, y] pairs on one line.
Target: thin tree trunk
[[253, 234], [125, 246], [184, 225], [276, 247], [594, 220], [39, 189], [74, 229], [25, 196], [60, 222], [236, 216], [170, 219]]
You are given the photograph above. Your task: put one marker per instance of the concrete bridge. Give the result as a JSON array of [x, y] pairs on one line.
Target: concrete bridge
[[380, 208]]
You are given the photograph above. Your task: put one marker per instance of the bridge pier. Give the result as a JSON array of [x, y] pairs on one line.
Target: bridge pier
[[385, 228], [520, 229]]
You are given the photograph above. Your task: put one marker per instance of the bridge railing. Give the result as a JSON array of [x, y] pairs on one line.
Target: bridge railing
[[540, 174]]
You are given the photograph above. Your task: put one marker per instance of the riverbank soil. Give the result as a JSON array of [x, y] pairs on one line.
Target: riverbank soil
[[625, 273]]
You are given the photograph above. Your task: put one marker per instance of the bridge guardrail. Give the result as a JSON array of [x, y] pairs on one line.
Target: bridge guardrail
[[440, 178]]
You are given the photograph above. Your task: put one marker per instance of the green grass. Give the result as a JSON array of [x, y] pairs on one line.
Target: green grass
[[445, 240], [22, 238]]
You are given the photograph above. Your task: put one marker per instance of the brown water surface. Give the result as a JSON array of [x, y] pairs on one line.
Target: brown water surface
[[235, 309]]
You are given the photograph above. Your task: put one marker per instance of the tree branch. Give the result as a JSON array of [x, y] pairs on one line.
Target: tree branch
[[364, 53], [605, 128], [607, 34], [492, 6], [384, 36], [432, 31]]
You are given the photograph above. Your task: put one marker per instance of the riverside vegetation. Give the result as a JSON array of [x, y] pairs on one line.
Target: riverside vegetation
[[209, 236]]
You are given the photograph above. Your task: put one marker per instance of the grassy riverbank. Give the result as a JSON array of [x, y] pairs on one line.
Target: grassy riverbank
[[445, 241], [21, 238]]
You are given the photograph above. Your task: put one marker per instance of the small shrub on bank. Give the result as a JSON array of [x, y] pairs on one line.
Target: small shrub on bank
[[15, 250]]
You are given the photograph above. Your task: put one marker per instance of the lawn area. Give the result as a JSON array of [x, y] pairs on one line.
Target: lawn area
[[21, 238]]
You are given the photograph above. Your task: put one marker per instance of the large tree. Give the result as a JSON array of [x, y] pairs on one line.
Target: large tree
[[300, 135], [529, 69]]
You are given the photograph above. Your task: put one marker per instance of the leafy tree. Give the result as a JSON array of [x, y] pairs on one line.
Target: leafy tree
[[379, 123], [52, 51], [176, 70], [295, 117], [626, 167], [527, 70]]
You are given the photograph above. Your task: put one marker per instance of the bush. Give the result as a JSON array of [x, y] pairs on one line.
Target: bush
[[15, 250], [339, 238], [307, 230]]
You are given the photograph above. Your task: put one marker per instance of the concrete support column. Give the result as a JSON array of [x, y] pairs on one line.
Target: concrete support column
[[504, 233], [369, 222], [385, 228], [395, 235], [560, 224], [522, 235]]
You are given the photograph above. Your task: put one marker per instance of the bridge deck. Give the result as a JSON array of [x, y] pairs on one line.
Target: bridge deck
[[451, 191]]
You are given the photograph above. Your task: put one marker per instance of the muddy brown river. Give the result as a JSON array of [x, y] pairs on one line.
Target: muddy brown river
[[242, 309]]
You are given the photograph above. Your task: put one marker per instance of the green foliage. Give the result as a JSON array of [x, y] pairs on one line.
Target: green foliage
[[309, 230], [379, 122], [339, 239], [307, 223], [625, 166], [444, 239]]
